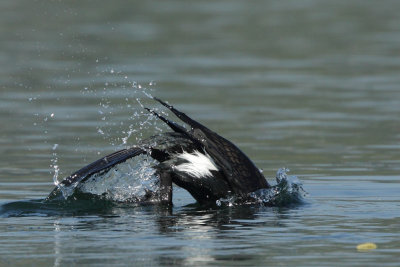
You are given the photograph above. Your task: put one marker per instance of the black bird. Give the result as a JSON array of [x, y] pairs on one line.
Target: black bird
[[199, 160]]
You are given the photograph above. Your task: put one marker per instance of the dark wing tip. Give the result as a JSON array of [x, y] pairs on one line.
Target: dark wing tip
[[162, 102], [174, 126], [156, 114]]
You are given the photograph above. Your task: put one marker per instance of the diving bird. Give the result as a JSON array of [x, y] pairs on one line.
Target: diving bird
[[199, 160]]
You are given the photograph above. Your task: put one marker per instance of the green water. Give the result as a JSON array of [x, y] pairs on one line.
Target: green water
[[309, 85]]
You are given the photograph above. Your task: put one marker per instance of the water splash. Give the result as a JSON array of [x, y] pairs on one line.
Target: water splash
[[131, 181], [121, 182], [118, 133], [135, 179], [287, 191], [54, 165], [56, 170], [55, 176]]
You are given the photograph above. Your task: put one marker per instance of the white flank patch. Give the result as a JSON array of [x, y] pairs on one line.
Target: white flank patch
[[198, 165]]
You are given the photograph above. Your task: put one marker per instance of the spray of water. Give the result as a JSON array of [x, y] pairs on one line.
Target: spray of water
[[134, 178], [130, 181], [287, 191], [54, 165]]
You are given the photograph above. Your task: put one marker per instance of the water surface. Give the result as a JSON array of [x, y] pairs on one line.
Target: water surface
[[309, 85]]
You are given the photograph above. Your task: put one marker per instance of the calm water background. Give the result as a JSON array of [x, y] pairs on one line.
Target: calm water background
[[310, 85]]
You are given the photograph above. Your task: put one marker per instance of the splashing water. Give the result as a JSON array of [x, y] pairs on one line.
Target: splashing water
[[55, 176], [125, 180], [130, 181], [56, 170], [287, 191], [135, 180]]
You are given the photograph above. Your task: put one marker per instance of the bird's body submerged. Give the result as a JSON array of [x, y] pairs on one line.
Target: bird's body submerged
[[207, 165]]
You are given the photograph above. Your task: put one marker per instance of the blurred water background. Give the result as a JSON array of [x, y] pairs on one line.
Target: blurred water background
[[309, 85]]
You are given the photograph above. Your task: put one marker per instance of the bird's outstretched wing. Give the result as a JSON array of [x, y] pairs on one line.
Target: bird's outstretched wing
[[98, 166], [102, 164], [160, 147]]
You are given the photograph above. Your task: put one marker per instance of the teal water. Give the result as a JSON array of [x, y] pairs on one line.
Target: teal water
[[308, 85]]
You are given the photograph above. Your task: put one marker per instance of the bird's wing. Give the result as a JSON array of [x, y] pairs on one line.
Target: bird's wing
[[238, 169], [160, 147], [102, 164]]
